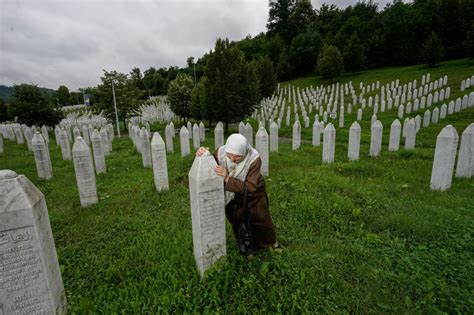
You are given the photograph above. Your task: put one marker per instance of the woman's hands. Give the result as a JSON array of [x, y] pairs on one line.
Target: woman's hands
[[221, 171], [201, 151]]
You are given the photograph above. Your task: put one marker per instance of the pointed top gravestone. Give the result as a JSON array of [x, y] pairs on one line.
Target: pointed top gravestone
[[219, 135], [262, 146], [443, 162], [206, 190], [465, 166], [84, 169], [273, 137], [31, 281], [196, 137], [42, 158], [99, 157], [184, 141], [329, 143], [395, 130], [354, 142], [376, 132], [160, 166]]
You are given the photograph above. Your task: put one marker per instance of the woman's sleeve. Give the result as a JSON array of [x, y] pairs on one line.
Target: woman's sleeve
[[253, 179]]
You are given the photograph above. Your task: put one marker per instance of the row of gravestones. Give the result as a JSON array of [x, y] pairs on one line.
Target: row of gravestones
[[269, 113], [465, 84]]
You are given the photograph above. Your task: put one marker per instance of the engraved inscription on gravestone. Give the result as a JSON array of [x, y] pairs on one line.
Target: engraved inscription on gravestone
[[30, 279]]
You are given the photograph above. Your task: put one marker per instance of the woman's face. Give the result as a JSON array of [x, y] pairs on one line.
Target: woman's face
[[234, 157]]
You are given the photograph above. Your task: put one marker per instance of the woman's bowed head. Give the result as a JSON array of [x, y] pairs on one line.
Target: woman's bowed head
[[246, 198]]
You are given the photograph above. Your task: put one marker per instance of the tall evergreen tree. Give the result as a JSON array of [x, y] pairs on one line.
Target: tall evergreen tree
[[231, 90], [432, 51], [179, 95], [63, 95], [266, 76], [330, 62], [354, 56]]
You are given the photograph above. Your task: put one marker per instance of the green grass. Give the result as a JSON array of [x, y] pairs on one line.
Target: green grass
[[363, 237]]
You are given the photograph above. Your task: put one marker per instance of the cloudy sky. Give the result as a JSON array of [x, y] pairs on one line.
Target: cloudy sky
[[54, 42]]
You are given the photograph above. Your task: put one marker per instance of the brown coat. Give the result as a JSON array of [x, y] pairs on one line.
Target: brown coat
[[262, 229]]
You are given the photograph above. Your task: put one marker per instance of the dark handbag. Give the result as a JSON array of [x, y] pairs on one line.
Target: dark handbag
[[244, 228]]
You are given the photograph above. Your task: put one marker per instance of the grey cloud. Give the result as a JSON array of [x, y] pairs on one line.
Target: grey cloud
[[54, 42]]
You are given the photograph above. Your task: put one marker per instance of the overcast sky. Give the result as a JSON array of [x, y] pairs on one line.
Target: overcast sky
[[55, 42]]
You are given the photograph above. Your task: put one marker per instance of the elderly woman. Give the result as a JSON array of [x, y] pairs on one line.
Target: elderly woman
[[239, 164]]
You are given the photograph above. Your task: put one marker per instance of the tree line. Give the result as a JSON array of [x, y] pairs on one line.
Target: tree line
[[227, 82]]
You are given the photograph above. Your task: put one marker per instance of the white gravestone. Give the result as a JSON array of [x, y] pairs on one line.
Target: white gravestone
[[65, 146], [160, 165], [218, 135], [190, 129], [85, 134], [196, 137], [329, 143], [84, 170], [354, 142], [262, 146], [273, 137], [42, 158], [44, 131], [359, 114], [76, 132], [442, 113], [395, 130], [202, 132], [400, 111], [146, 150], [30, 277], [296, 141], [410, 134], [465, 166], [249, 133], [99, 157], [444, 157], [184, 141], [435, 115], [28, 138], [105, 141], [376, 132], [169, 133], [316, 133], [426, 118], [206, 190]]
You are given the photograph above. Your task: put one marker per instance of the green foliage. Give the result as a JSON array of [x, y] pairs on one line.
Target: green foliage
[[432, 51], [267, 79], [330, 62], [30, 106], [283, 69], [198, 100], [232, 86], [127, 95], [179, 95], [304, 51], [469, 43], [63, 96], [4, 116], [354, 56]]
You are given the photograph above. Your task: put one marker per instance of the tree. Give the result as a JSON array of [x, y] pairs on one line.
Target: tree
[[231, 90], [31, 107], [303, 52], [469, 43], [63, 95], [127, 95], [432, 51], [279, 18], [354, 56], [3, 111], [283, 68], [179, 95], [198, 100], [266, 76], [330, 63]]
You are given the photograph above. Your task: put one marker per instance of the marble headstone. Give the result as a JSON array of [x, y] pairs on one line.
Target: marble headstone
[[160, 165], [84, 169], [42, 158], [30, 277], [444, 157], [206, 190]]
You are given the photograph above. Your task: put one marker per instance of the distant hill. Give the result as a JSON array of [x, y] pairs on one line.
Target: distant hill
[[6, 91]]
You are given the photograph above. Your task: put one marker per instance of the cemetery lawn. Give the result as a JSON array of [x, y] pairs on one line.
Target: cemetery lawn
[[365, 237]]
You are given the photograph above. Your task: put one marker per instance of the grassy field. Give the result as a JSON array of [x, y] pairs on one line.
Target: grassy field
[[363, 237]]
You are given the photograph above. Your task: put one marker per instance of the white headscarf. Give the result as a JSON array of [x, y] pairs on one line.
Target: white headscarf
[[236, 144]]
